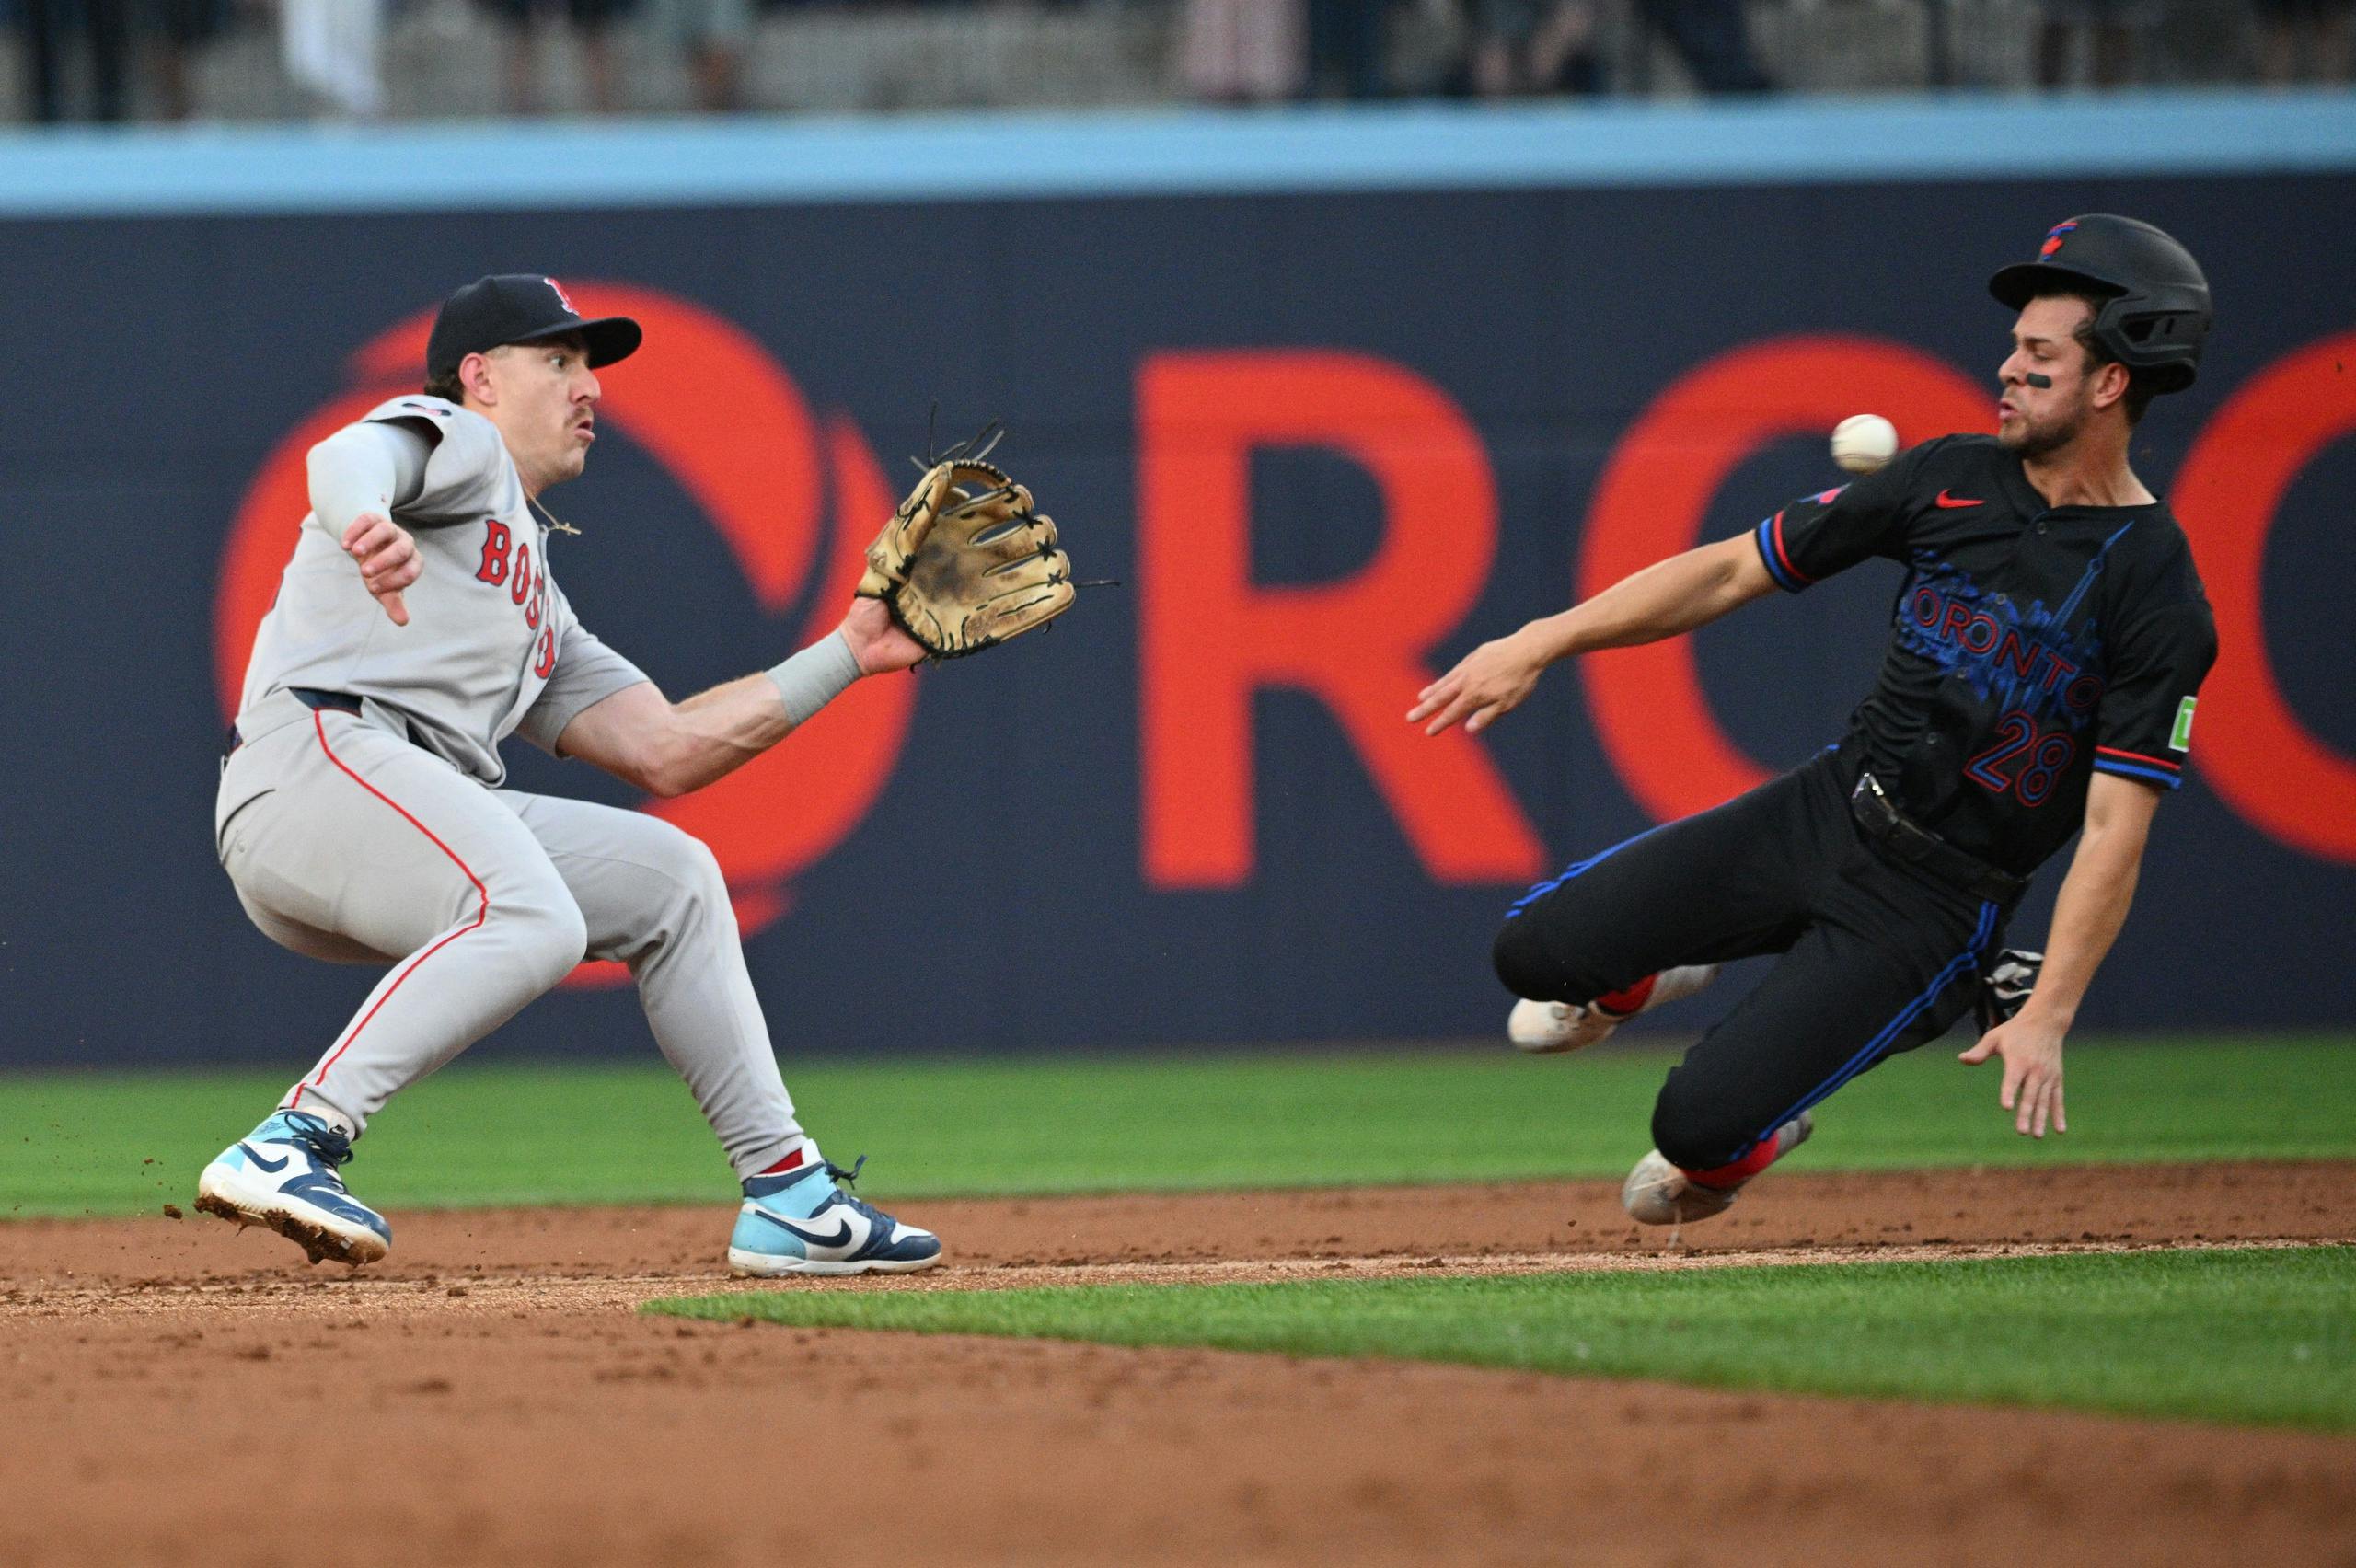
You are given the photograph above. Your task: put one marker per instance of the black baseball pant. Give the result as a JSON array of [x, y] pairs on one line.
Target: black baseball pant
[[1877, 957]]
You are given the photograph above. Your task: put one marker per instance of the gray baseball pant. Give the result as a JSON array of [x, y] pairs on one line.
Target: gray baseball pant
[[345, 842]]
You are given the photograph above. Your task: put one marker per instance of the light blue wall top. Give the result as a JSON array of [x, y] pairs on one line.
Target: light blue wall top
[[758, 161]]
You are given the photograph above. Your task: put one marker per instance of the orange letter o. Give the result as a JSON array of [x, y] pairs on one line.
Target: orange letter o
[[1648, 706], [2254, 751]]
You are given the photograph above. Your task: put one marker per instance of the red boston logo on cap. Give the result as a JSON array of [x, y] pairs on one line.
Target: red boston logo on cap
[[563, 298]]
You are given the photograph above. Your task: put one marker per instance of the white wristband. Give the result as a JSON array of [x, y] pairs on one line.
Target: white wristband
[[815, 677]]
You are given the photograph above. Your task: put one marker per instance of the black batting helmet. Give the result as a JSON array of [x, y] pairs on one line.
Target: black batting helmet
[[2152, 303]]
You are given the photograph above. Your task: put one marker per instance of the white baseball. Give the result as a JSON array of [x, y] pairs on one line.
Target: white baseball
[[1863, 442]]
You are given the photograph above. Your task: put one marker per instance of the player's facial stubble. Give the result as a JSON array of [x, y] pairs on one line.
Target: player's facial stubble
[[2046, 419], [2047, 378], [544, 400]]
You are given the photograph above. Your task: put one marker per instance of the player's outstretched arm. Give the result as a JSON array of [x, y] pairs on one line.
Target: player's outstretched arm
[[1664, 600], [669, 748], [2086, 918]]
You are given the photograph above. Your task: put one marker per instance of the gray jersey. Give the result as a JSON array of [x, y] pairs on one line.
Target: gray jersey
[[491, 647]]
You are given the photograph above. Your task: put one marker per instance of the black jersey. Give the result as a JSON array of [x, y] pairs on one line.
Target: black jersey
[[2030, 644]]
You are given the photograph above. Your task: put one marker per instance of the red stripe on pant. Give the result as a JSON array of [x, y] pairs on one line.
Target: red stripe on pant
[[482, 912]]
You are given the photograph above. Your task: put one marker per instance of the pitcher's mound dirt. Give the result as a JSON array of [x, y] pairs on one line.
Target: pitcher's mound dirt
[[174, 1392]]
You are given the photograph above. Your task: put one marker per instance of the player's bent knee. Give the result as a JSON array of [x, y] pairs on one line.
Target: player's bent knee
[[550, 937], [1529, 961], [1697, 1131], [692, 869], [700, 869], [1518, 961]]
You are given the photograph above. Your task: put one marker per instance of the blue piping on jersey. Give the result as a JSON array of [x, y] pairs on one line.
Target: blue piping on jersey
[[1968, 959], [1542, 888], [2148, 774], [2094, 568]]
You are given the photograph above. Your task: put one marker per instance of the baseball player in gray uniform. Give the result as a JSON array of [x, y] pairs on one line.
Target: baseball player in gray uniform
[[362, 817]]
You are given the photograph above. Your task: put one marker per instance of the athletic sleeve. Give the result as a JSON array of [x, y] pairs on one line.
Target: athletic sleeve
[[1832, 531], [468, 473], [587, 672], [366, 467], [2143, 729]]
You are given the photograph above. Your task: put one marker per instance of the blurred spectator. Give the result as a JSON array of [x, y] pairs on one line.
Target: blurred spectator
[[711, 37], [1345, 48], [50, 28], [1243, 50], [110, 33], [333, 51], [2108, 29], [1713, 40], [179, 26], [2315, 31], [1535, 46], [592, 20]]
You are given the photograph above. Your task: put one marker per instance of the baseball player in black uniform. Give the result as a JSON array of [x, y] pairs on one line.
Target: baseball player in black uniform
[[2048, 640]]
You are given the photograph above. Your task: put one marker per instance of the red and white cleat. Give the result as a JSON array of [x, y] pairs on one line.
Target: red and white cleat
[[1546, 1028], [1658, 1193]]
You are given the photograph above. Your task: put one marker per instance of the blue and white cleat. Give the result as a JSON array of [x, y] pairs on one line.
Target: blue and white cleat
[[282, 1175], [801, 1223]]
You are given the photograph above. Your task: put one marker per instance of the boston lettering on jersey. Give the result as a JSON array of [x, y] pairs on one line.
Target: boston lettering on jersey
[[2030, 645], [527, 588]]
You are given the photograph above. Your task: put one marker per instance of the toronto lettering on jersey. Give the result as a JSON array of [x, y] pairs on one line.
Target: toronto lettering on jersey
[[2004, 653]]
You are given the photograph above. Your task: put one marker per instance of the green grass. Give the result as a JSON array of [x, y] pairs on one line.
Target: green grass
[[2222, 1336], [79, 1144]]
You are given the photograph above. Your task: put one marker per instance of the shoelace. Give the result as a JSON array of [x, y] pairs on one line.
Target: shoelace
[[880, 1223], [330, 1147]]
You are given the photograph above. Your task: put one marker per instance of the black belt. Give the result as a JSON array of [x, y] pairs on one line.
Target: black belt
[[310, 697], [1917, 846]]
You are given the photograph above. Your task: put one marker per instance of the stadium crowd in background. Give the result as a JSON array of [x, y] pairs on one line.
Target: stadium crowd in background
[[114, 60], [1272, 51], [109, 33]]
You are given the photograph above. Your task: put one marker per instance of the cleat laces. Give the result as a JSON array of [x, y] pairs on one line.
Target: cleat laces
[[326, 1145], [879, 1223]]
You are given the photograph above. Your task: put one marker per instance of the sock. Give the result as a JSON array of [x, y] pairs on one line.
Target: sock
[[325, 1113], [1629, 1001], [1743, 1170], [803, 1152]]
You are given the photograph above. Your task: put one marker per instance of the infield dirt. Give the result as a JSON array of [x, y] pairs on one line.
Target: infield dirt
[[174, 1391]]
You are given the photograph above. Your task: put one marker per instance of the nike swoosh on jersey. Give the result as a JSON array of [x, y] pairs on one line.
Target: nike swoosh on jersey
[[272, 1166], [1946, 499], [840, 1236]]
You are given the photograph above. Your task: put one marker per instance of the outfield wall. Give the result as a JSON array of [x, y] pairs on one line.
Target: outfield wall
[[1333, 394]]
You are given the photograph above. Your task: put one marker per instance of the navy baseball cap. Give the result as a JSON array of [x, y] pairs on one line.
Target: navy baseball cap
[[520, 307]]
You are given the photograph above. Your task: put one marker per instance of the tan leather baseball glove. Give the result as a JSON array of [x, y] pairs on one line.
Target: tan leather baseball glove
[[966, 563]]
